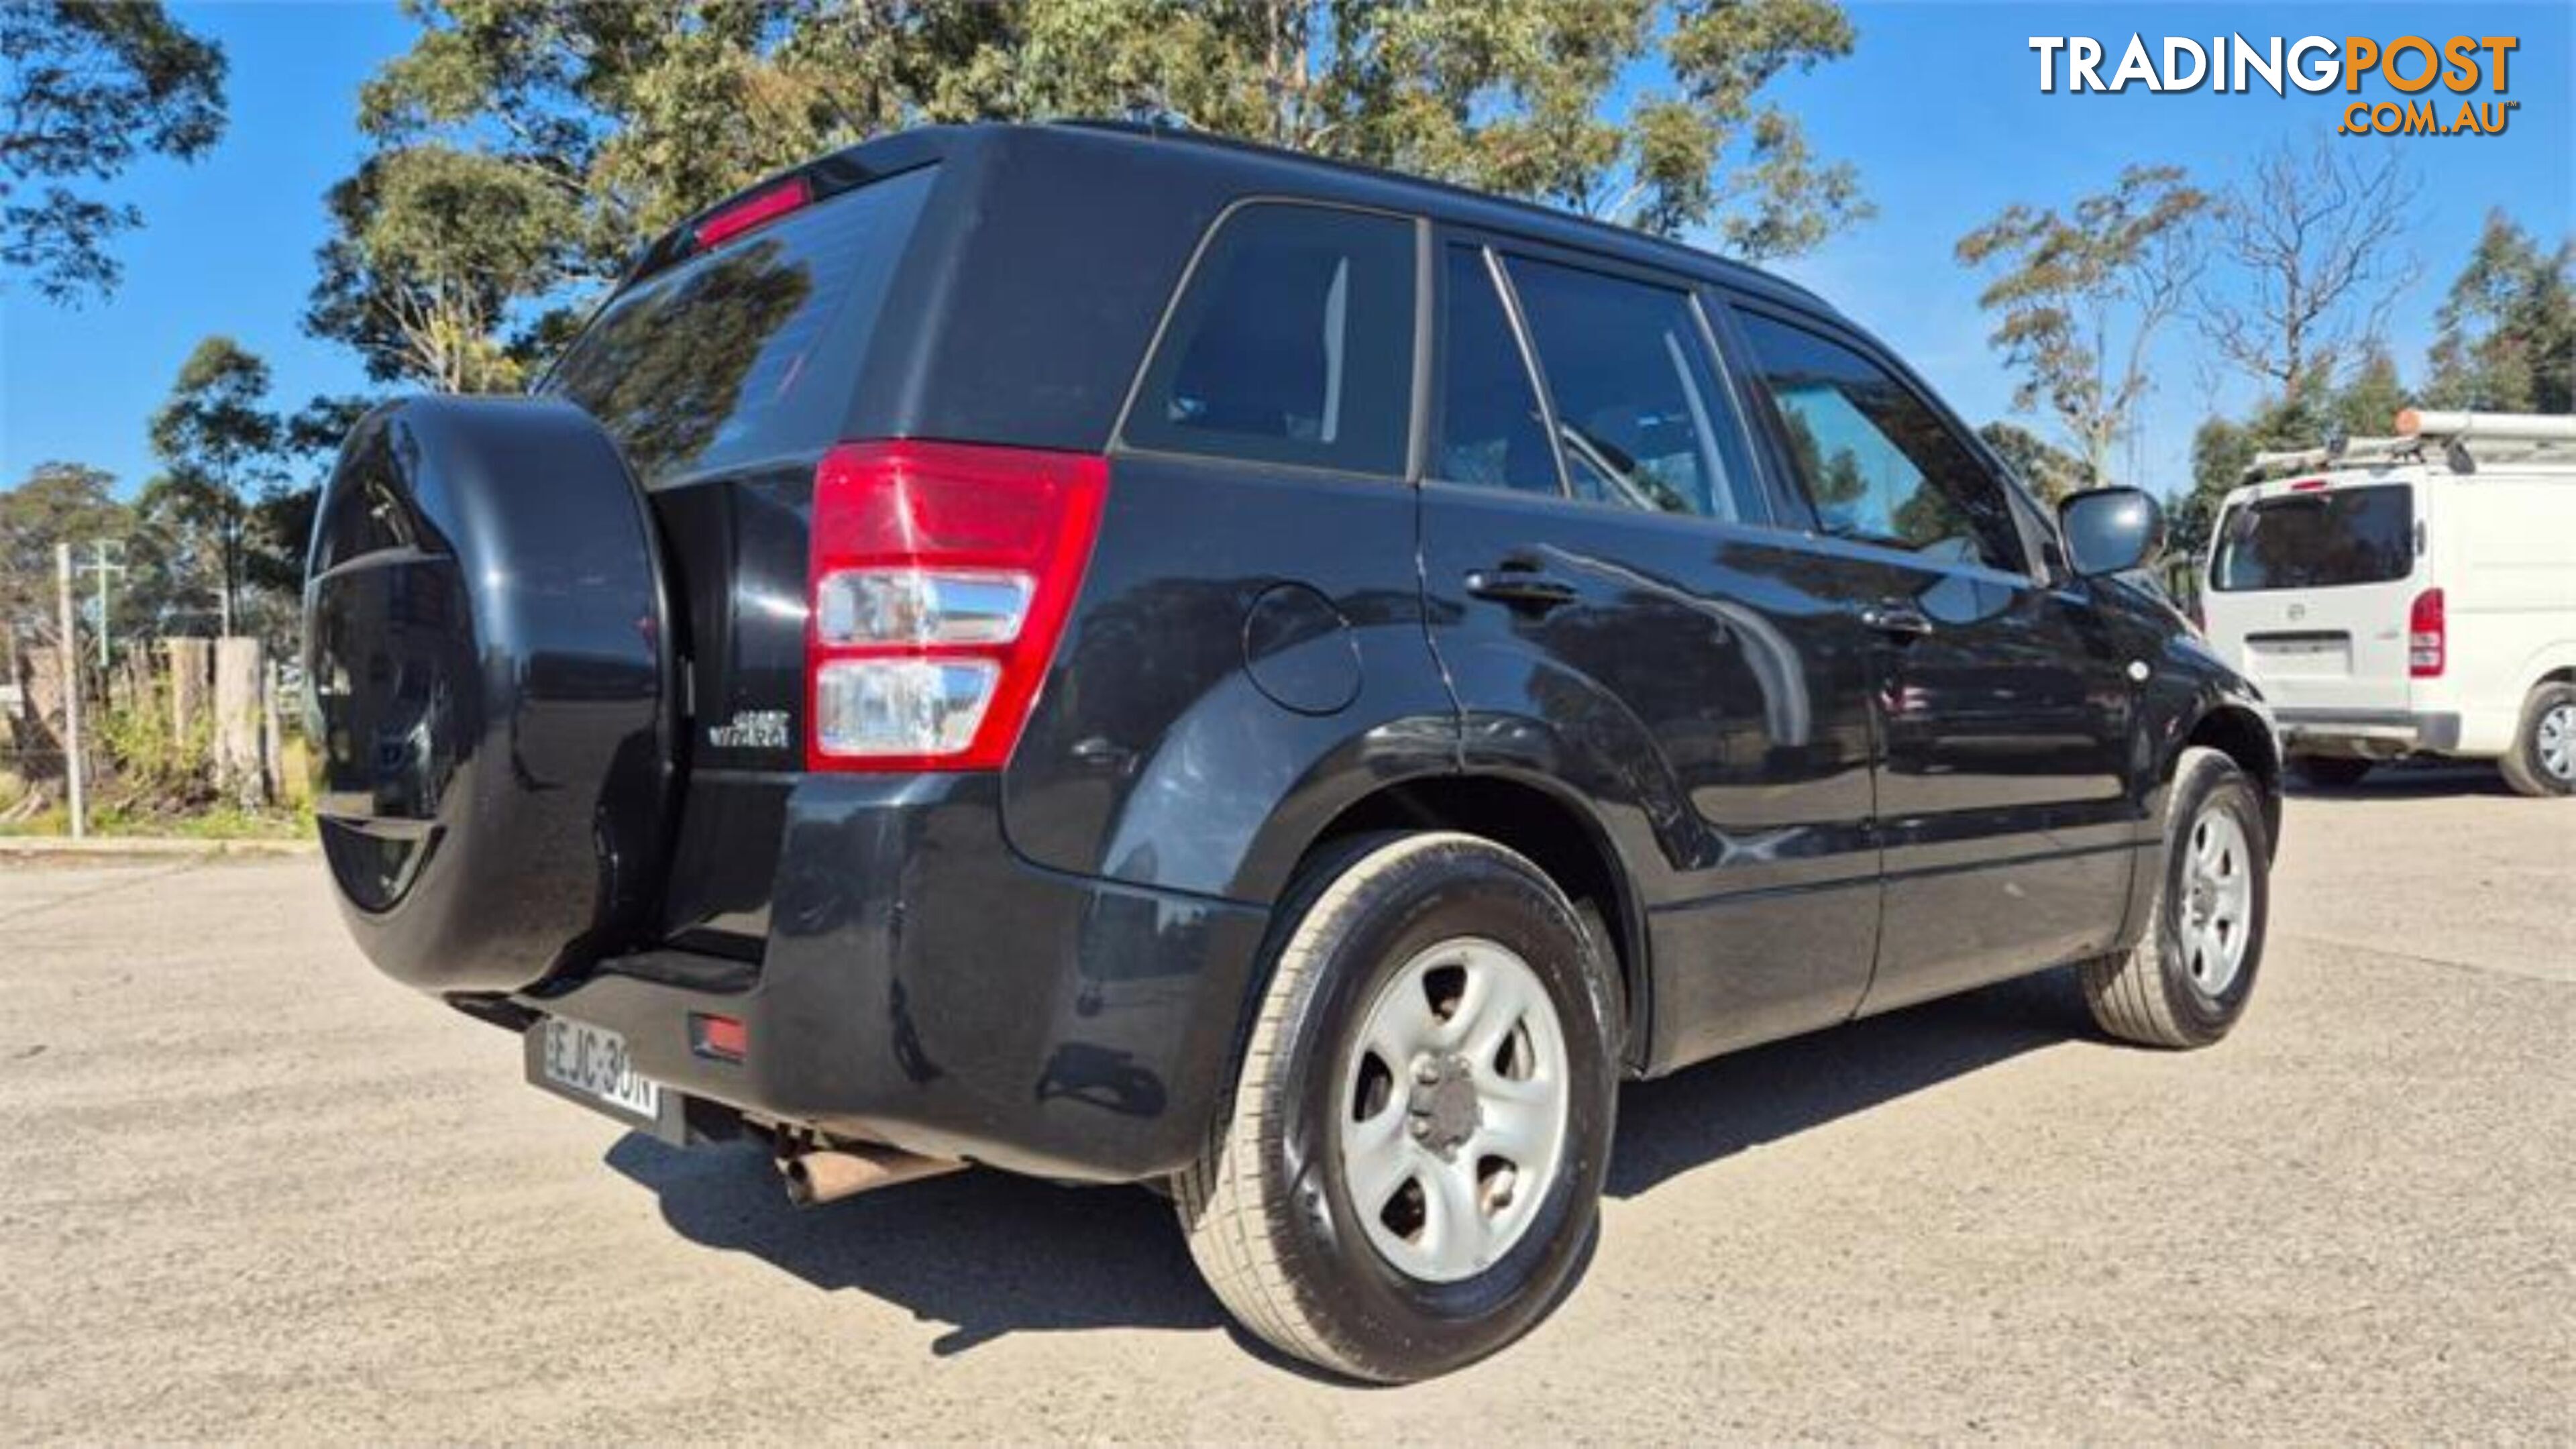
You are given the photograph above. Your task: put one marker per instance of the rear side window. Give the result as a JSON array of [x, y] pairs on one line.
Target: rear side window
[[1877, 462], [1639, 415], [2317, 540], [1293, 344], [751, 351], [1489, 427]]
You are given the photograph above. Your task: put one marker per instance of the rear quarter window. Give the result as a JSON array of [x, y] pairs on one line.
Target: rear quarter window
[[752, 350], [2316, 540], [1291, 343]]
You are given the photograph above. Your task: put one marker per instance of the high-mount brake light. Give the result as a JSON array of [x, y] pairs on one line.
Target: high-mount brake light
[[756, 210], [939, 579], [2309, 485], [2427, 636]]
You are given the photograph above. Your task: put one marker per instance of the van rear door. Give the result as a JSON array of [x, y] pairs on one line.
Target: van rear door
[[2309, 590]]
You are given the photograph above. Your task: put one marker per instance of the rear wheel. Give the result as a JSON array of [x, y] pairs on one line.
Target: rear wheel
[[2186, 983], [2331, 772], [2542, 761], [1409, 1178]]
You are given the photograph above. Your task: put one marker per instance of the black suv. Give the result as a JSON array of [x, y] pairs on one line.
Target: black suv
[[1124, 657]]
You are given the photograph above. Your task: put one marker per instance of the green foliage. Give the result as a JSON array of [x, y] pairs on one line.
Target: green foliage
[[432, 245], [55, 503], [2081, 295], [218, 441], [89, 86], [2051, 471], [524, 148], [2222, 449], [150, 766], [2508, 327]]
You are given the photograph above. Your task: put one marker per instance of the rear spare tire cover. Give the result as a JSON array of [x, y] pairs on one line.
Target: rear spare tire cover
[[488, 691]]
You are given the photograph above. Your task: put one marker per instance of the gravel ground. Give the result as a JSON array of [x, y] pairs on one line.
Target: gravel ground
[[248, 1189]]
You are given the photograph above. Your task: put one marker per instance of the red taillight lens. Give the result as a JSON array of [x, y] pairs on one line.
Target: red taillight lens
[[2427, 636], [2309, 485], [940, 577], [758, 209]]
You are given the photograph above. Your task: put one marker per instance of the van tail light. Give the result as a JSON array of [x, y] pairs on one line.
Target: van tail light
[[940, 577], [2427, 636]]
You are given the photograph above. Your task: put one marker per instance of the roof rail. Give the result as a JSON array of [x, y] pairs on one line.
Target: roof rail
[[2497, 438], [1165, 127]]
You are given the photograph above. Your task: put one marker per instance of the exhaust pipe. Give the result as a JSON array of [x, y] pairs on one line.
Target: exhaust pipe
[[828, 1174]]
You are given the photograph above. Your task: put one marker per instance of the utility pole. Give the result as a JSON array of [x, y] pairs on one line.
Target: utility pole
[[99, 565], [70, 656]]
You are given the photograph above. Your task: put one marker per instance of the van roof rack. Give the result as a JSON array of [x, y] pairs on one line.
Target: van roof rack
[[2467, 442]]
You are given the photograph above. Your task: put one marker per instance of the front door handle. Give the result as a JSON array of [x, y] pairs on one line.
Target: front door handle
[[1520, 588], [1903, 621]]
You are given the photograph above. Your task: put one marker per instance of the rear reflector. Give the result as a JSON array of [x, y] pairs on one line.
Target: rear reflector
[[940, 576], [758, 209], [717, 1036], [2427, 636]]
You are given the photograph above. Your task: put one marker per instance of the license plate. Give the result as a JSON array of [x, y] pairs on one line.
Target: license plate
[[592, 1064]]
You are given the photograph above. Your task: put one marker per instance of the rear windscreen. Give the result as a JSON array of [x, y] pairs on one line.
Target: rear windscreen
[[752, 350], [2317, 540]]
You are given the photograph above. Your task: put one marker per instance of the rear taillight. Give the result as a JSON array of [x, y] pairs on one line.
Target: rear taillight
[[940, 577], [2427, 633]]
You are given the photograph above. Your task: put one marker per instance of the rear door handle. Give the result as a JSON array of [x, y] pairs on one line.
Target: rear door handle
[[1903, 621], [1520, 588]]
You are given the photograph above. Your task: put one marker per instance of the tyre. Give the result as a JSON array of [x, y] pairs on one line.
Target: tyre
[[2187, 980], [2331, 772], [491, 692], [1409, 1175], [2542, 761]]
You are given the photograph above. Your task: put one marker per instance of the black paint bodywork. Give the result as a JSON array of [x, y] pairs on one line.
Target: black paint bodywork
[[1799, 816]]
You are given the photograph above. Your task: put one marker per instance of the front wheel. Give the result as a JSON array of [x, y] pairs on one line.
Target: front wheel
[[2186, 982], [1410, 1175]]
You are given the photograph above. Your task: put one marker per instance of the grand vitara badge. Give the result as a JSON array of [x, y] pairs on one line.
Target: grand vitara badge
[[750, 729]]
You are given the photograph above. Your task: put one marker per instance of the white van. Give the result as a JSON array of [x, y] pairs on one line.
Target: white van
[[2410, 595]]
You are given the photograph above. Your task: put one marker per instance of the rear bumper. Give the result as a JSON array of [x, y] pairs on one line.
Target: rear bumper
[[2370, 734], [925, 987]]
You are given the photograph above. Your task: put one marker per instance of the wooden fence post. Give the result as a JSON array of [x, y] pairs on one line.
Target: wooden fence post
[[239, 672], [192, 671]]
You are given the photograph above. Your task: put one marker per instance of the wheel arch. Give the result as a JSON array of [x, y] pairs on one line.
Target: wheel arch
[[2243, 736], [1556, 833]]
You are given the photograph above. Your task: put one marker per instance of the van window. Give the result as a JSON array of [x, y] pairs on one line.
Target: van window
[[2317, 540], [1490, 428], [1293, 344], [1876, 460], [750, 351], [1640, 417]]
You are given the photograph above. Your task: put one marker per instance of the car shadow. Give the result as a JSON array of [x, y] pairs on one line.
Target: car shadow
[[989, 1254], [985, 1253], [1708, 1113], [2410, 780]]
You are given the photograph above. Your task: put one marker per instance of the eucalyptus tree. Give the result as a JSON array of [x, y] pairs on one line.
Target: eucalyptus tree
[[521, 147], [88, 86]]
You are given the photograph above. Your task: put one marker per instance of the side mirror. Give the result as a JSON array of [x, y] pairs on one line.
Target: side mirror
[[2108, 530]]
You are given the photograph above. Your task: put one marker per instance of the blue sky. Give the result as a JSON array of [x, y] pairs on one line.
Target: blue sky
[[1939, 108]]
